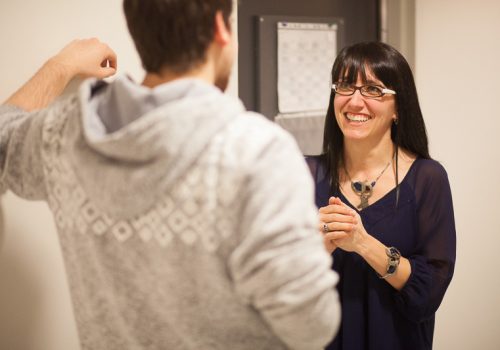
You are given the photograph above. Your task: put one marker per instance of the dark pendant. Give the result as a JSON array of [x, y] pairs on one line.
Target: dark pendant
[[364, 190]]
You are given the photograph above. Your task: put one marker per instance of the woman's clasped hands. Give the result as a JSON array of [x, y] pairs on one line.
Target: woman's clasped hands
[[341, 226]]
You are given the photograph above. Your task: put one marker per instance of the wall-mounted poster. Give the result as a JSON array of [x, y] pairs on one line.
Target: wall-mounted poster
[[306, 52]]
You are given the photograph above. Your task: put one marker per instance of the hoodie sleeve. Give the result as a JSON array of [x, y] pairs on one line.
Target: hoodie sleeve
[[281, 266], [21, 167]]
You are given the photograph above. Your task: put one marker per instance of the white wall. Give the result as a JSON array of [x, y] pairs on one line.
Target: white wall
[[458, 77], [35, 308]]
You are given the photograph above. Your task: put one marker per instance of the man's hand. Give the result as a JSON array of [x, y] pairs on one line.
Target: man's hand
[[80, 58], [86, 58]]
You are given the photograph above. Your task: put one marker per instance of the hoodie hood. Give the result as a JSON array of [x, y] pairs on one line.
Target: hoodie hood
[[132, 143]]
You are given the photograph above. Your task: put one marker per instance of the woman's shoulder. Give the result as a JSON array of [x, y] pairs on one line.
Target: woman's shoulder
[[316, 165], [429, 168], [428, 174], [315, 159]]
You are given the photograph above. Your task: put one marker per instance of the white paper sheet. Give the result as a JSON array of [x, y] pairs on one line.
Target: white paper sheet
[[306, 52]]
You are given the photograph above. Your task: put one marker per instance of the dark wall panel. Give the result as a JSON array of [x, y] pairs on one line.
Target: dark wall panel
[[361, 20]]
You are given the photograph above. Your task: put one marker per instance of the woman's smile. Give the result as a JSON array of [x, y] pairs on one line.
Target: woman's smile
[[357, 117]]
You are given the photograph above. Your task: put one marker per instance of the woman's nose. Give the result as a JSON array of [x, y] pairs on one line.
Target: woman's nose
[[357, 99]]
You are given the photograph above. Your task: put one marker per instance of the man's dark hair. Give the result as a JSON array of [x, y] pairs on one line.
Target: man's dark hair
[[173, 33]]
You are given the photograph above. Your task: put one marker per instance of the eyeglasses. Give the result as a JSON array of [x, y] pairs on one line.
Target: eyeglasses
[[345, 89]]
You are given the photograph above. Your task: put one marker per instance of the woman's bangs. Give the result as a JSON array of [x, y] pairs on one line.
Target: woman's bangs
[[350, 70]]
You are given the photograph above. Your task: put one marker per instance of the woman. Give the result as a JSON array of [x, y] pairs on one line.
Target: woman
[[385, 206]]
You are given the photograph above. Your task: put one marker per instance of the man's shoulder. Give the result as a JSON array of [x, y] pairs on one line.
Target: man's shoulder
[[260, 129], [253, 139]]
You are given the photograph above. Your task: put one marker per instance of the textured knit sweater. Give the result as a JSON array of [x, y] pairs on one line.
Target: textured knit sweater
[[185, 222]]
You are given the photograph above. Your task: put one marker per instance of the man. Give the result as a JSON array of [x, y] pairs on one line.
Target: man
[[185, 222]]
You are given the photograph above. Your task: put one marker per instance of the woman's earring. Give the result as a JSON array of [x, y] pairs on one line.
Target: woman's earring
[[395, 121]]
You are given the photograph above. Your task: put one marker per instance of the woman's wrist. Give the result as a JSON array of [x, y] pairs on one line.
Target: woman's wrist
[[364, 245]]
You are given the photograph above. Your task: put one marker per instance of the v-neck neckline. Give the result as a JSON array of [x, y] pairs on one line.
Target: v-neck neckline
[[381, 199]]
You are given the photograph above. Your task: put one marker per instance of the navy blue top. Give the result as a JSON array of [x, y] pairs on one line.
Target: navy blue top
[[374, 314]]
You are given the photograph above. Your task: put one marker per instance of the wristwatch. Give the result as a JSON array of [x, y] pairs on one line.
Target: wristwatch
[[393, 256]]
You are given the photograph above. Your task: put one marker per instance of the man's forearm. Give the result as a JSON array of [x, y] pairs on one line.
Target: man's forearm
[[84, 58], [43, 88]]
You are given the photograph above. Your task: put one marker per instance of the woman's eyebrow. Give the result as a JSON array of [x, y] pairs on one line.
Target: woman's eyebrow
[[372, 82]]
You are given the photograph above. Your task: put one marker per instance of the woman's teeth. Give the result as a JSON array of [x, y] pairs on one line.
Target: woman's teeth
[[357, 117]]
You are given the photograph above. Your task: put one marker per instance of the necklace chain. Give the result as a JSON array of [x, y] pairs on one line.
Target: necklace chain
[[364, 189]]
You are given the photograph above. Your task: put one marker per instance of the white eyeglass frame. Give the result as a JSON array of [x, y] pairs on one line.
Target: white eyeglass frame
[[384, 90]]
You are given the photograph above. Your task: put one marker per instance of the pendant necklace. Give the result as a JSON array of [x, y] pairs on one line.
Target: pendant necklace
[[364, 189]]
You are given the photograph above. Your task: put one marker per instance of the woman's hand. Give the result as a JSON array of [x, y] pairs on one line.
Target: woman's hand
[[345, 228], [346, 231], [335, 221]]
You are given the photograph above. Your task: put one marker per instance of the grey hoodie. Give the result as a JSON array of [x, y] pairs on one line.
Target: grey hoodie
[[185, 222]]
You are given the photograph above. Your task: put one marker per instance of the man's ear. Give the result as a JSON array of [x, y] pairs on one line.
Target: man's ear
[[222, 33]]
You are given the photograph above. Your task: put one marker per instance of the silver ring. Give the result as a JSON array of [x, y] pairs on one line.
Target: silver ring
[[325, 228]]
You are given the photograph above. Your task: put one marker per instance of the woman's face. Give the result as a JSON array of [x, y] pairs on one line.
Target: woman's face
[[365, 118]]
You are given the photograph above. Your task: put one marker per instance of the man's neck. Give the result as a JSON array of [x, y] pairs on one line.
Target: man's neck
[[203, 72]]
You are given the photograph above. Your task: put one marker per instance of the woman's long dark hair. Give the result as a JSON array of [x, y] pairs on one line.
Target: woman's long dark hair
[[391, 68]]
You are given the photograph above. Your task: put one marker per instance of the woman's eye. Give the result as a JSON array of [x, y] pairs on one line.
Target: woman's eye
[[344, 86], [372, 90]]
